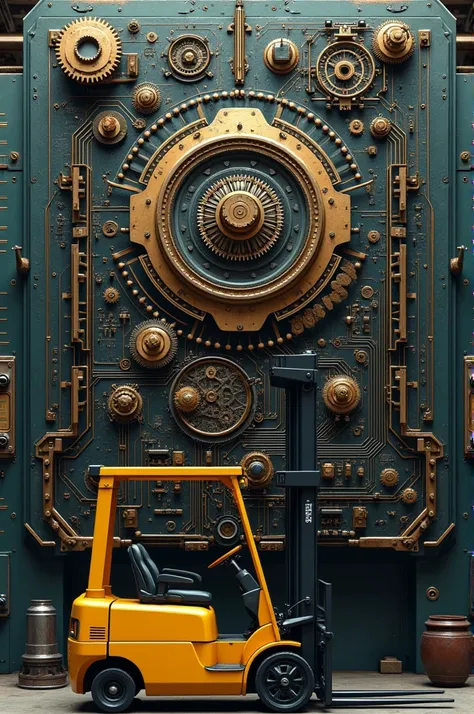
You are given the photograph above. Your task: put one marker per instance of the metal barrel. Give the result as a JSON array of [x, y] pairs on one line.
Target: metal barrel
[[42, 663]]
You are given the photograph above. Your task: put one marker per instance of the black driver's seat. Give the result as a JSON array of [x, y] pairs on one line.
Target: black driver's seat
[[167, 587], [152, 566]]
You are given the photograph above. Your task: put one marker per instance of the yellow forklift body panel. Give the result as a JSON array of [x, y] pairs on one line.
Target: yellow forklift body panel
[[132, 621]]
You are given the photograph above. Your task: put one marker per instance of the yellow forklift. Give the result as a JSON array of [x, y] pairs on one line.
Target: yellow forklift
[[165, 640]]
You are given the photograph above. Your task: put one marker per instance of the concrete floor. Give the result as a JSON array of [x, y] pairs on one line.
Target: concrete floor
[[62, 701]]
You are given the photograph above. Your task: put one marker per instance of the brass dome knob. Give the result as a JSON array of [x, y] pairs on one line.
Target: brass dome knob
[[109, 126], [393, 42], [189, 57], [153, 344], [187, 399], [389, 477], [125, 403], [380, 127], [258, 469], [240, 215], [341, 394]]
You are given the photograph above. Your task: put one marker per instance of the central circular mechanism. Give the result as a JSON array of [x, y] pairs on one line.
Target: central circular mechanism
[[240, 217], [344, 70], [341, 394], [212, 405], [239, 223]]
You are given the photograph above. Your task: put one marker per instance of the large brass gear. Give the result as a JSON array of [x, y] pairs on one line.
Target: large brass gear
[[240, 217], [88, 50], [393, 42], [153, 344], [221, 394]]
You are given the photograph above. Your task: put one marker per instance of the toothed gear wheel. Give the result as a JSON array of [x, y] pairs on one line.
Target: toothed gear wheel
[[393, 42], [111, 296], [409, 496], [240, 218], [153, 344], [146, 98], [88, 50]]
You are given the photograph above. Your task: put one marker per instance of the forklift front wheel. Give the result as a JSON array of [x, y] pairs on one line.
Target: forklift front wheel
[[113, 690], [284, 682]]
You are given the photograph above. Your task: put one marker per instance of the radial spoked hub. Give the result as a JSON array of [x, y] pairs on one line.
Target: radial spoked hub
[[240, 217]]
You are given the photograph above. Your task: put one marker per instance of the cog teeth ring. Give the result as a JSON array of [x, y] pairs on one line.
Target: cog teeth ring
[[105, 60]]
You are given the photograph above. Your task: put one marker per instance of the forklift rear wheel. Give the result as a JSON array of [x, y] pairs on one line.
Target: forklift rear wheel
[[113, 690], [284, 682]]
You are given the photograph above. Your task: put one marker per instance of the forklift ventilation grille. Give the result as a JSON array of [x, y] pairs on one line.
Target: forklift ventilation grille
[[97, 633]]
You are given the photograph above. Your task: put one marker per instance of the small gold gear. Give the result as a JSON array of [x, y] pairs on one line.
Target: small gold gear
[[258, 469], [409, 496], [111, 296], [341, 394], [356, 127], [389, 477], [88, 50], [125, 403], [153, 344], [187, 399], [146, 98], [393, 42]]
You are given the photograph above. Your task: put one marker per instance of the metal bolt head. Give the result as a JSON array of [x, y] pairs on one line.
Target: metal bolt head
[[108, 125], [465, 156]]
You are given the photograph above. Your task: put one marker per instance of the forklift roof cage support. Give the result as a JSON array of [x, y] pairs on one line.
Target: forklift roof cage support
[[109, 482]]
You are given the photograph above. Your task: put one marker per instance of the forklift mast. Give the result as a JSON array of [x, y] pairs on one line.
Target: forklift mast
[[305, 593]]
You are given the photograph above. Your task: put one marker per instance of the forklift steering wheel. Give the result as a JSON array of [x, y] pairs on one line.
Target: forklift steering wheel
[[225, 557]]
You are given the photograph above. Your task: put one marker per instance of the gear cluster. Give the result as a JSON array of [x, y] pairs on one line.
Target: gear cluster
[[211, 399]]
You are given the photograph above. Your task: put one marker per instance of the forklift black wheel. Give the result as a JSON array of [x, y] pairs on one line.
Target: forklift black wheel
[[284, 682], [113, 690]]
